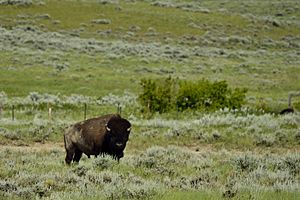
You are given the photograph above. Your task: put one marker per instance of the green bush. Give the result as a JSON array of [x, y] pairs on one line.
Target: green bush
[[169, 94], [157, 95]]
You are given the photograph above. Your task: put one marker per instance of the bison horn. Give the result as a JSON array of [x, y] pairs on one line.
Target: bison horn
[[108, 129], [129, 129]]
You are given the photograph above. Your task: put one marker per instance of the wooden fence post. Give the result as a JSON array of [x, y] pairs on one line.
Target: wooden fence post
[[119, 109], [85, 110], [50, 113], [177, 111], [13, 113]]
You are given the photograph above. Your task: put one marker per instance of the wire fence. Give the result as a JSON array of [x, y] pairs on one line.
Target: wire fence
[[82, 111]]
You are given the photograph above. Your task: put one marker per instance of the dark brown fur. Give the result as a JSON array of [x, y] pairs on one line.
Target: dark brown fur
[[287, 111], [102, 135]]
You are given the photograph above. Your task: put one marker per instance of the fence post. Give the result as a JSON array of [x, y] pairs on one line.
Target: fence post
[[50, 113], [13, 113], [85, 109], [119, 109]]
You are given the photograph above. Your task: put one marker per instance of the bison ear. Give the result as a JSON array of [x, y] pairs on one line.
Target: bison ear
[[129, 129], [108, 129]]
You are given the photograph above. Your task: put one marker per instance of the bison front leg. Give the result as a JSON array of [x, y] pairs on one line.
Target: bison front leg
[[70, 150], [70, 155], [77, 156], [118, 156]]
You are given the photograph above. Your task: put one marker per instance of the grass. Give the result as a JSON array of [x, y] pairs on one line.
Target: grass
[[189, 155], [94, 70], [216, 195], [39, 171], [71, 16]]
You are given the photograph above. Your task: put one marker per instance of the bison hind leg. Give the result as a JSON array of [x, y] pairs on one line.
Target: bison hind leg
[[77, 155]]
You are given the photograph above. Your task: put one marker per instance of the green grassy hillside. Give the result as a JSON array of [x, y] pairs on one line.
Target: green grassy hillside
[[63, 54], [50, 46]]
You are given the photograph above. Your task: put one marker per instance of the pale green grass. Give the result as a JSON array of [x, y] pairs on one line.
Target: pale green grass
[[96, 74], [39, 171], [217, 195], [265, 64]]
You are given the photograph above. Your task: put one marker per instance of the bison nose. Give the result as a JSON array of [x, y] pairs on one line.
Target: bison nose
[[119, 144]]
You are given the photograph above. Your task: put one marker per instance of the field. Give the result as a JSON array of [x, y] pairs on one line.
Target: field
[[65, 54]]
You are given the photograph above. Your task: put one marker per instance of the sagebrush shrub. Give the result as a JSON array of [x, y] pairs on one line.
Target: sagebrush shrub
[[16, 2], [246, 162], [104, 162]]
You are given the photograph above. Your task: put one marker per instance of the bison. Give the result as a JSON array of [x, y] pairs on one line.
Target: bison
[[102, 135], [287, 111]]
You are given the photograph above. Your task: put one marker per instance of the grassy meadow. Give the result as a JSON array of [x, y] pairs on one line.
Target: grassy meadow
[[63, 54]]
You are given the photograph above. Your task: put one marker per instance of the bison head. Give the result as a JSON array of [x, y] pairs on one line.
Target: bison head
[[118, 130]]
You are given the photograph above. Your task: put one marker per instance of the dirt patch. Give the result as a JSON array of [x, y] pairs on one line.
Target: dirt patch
[[204, 148], [46, 147]]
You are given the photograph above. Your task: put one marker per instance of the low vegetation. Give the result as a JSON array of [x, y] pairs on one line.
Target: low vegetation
[[165, 95], [202, 82], [149, 174]]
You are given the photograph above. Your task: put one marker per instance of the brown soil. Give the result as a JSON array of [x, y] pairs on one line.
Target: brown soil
[[47, 147]]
